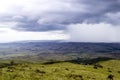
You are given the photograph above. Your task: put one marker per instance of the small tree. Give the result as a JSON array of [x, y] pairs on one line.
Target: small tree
[[12, 62]]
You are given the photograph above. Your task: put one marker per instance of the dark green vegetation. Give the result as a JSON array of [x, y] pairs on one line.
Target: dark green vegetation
[[60, 70]]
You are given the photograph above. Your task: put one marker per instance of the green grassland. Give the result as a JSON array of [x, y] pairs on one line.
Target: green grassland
[[59, 70]]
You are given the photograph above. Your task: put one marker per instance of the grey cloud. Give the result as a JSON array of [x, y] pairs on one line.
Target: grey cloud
[[34, 26], [55, 15]]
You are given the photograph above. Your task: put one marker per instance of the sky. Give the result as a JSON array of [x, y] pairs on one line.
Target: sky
[[71, 20]]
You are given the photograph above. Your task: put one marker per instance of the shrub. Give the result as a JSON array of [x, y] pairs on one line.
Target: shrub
[[39, 71], [110, 77], [98, 66], [67, 69], [12, 62], [119, 72], [75, 76], [109, 70]]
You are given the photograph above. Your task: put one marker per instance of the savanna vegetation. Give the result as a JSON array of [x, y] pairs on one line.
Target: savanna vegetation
[[60, 70]]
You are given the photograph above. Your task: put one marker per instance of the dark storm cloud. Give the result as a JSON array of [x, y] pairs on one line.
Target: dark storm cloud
[[34, 26], [55, 15]]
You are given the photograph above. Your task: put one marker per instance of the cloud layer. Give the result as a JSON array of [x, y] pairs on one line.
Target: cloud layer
[[103, 16], [94, 32]]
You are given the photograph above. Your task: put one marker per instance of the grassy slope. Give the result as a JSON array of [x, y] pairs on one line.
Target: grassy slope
[[60, 71]]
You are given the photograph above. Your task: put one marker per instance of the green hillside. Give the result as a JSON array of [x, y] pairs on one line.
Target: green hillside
[[59, 71]]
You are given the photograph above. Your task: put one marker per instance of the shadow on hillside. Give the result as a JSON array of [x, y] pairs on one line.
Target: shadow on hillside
[[52, 62], [89, 61], [81, 61]]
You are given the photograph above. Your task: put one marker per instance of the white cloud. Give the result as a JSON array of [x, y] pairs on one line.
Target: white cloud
[[9, 35], [101, 32]]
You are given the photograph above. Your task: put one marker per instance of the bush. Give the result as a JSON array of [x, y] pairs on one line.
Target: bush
[[119, 72], [39, 71], [75, 76], [12, 62], [97, 66], [110, 77]]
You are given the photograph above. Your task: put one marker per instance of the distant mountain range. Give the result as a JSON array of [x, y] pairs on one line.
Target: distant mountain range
[[58, 50]]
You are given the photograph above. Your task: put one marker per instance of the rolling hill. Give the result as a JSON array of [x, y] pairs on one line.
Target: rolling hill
[[58, 50]]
